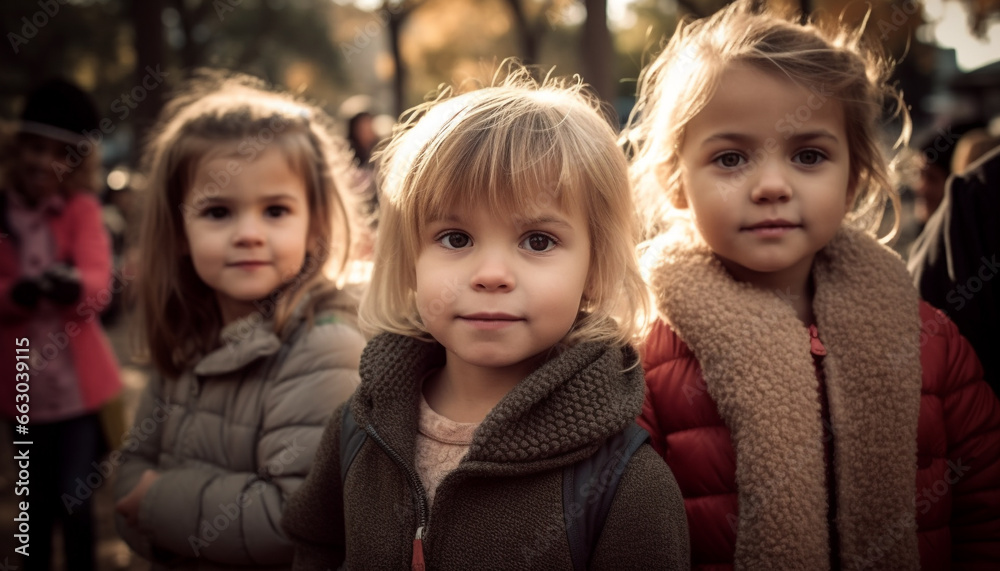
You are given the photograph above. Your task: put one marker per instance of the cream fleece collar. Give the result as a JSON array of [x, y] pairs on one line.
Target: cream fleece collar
[[756, 361]]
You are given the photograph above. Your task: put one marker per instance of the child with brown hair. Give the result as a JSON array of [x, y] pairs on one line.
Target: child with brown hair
[[253, 345]]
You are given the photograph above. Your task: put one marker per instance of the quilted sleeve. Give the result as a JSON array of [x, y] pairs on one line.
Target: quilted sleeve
[[972, 425]]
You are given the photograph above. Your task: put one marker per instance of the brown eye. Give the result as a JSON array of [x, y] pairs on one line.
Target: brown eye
[[277, 211], [539, 243], [455, 240], [809, 157], [729, 160], [216, 212]]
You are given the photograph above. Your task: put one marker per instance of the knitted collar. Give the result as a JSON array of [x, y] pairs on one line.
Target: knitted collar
[[755, 358], [556, 416]]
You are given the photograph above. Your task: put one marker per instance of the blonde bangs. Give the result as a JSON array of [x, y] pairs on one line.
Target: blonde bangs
[[489, 169]]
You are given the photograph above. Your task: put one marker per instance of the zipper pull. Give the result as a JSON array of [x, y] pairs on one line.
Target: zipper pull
[[815, 345], [418, 551]]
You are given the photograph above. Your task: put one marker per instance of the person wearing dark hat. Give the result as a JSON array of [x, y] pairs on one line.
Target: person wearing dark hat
[[954, 260], [55, 270], [935, 167]]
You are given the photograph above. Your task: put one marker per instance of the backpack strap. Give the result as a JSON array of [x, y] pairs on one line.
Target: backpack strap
[[352, 437], [589, 488]]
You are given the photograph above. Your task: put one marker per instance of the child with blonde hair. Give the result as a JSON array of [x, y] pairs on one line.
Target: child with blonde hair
[[253, 345], [816, 413], [504, 294]]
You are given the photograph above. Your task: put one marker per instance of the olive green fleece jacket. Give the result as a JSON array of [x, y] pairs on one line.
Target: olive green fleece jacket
[[502, 507]]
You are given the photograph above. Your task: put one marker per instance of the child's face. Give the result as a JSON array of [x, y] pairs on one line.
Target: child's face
[[39, 162], [246, 232], [499, 292], [765, 169]]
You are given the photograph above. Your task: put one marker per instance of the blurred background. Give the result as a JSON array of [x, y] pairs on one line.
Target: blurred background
[[365, 61], [129, 53]]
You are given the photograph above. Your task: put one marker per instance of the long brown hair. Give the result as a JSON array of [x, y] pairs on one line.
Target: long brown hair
[[180, 318]]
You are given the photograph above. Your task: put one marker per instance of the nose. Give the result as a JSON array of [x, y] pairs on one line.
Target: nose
[[249, 231], [493, 272], [772, 185]]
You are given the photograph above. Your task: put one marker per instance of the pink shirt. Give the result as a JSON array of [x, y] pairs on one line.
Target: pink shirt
[[441, 444], [55, 392]]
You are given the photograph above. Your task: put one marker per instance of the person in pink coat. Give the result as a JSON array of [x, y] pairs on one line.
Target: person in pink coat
[[55, 279]]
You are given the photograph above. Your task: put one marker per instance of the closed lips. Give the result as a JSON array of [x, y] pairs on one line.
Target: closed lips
[[491, 317], [771, 224]]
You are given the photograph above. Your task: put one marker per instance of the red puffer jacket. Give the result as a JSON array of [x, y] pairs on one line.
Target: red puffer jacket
[[882, 454]]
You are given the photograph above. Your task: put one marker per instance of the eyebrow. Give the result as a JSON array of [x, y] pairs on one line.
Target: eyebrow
[[747, 139], [519, 220], [734, 137], [542, 220], [449, 219], [203, 199], [817, 134]]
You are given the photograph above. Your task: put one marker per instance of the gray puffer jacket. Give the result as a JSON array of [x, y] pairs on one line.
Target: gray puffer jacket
[[232, 439]]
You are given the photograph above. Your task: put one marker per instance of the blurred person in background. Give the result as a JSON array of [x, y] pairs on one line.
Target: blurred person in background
[[954, 261], [362, 138], [973, 145], [55, 268], [935, 166]]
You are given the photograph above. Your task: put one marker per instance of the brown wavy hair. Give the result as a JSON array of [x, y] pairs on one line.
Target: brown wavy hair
[[212, 113]]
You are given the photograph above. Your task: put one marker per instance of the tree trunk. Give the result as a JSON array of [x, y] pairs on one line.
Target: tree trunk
[[399, 77], [150, 52], [528, 36], [597, 51]]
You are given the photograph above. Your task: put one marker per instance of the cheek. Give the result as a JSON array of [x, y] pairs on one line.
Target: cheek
[[435, 290], [203, 243], [426, 283], [705, 212], [302, 241], [191, 236]]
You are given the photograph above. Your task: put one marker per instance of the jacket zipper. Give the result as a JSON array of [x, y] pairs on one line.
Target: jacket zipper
[[417, 560]]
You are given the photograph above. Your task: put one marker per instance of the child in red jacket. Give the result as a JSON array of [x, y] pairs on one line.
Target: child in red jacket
[[55, 270], [816, 413]]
